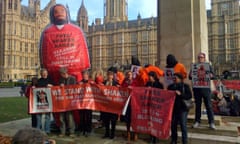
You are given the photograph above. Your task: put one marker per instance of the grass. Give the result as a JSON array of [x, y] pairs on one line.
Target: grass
[[13, 108]]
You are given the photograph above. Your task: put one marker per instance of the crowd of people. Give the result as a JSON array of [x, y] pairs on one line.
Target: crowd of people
[[148, 76], [63, 43]]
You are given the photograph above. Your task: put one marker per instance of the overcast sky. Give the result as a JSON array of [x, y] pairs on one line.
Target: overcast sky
[[147, 8]]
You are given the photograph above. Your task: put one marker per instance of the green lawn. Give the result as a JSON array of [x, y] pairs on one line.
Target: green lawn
[[13, 108]]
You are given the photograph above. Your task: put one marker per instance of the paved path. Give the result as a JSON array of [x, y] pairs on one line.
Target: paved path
[[10, 128], [10, 92]]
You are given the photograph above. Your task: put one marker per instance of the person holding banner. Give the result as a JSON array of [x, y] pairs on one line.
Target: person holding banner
[[201, 73], [27, 94], [154, 80], [118, 75], [66, 118], [173, 66], [106, 116], [180, 112], [98, 77], [154, 83], [44, 81], [85, 114], [128, 81]]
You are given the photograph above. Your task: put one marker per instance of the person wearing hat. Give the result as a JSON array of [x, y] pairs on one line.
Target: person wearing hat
[[67, 116], [85, 114], [180, 112], [153, 82], [205, 94]]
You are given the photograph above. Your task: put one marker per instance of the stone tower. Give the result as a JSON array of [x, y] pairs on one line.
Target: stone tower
[[115, 10], [182, 30], [82, 17], [20, 30]]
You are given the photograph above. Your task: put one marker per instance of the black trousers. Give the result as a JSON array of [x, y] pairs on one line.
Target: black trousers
[[109, 118], [85, 120]]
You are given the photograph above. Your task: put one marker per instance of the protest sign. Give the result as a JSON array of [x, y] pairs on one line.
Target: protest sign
[[201, 75]]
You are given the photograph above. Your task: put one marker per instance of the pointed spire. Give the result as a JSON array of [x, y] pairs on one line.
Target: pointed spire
[[82, 10], [82, 3], [139, 16]]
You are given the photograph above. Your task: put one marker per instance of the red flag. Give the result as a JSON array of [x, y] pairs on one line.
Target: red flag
[[152, 111]]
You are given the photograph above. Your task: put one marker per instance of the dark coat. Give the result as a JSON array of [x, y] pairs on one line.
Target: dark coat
[[68, 81], [155, 84], [114, 83], [185, 95], [43, 82]]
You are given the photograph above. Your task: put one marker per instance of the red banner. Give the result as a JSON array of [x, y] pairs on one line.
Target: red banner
[[230, 84], [88, 96], [152, 111]]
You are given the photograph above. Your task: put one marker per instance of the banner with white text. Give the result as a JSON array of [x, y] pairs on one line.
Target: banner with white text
[[88, 96]]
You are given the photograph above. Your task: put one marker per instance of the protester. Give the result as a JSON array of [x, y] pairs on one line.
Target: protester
[[173, 66], [177, 66], [205, 94], [27, 94], [31, 136], [154, 80], [85, 114], [106, 116], [66, 118], [140, 78], [127, 82], [118, 75], [99, 78], [154, 83], [180, 112], [44, 82]]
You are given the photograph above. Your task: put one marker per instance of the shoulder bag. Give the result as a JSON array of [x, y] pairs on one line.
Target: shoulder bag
[[187, 103]]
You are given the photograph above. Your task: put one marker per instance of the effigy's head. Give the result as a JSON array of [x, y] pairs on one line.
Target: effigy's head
[[59, 15]]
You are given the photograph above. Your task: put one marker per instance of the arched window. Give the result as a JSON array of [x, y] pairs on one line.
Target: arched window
[[10, 4], [15, 4]]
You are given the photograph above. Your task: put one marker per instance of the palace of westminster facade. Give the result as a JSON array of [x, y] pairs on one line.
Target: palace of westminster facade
[[112, 41]]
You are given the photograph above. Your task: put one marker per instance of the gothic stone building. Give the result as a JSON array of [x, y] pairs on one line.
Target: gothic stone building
[[224, 35], [20, 30], [116, 39]]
